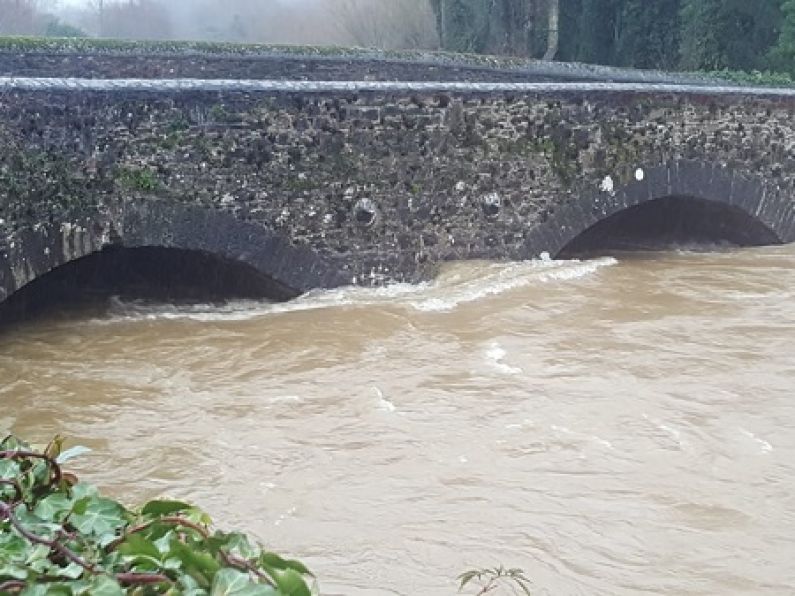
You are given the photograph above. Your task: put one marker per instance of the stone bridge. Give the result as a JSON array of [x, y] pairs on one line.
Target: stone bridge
[[277, 169]]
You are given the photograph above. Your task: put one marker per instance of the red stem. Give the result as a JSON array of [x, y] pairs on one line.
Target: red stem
[[13, 585], [7, 512]]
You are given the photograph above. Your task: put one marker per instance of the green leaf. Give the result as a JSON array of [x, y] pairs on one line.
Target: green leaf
[[97, 516], [54, 507], [10, 571], [135, 545], [9, 469], [274, 561], [33, 523], [194, 559], [82, 490], [291, 583], [161, 508], [189, 587], [102, 585], [229, 582], [234, 544], [39, 590], [71, 571], [13, 546]]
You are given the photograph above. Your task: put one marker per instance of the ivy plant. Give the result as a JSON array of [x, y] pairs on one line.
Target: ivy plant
[[59, 536]]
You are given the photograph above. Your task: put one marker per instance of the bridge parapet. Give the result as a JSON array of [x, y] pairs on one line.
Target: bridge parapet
[[366, 182]]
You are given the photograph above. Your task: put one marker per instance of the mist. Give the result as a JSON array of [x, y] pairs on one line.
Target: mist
[[387, 24]]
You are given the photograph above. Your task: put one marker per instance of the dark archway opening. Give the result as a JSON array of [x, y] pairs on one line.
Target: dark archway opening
[[147, 273], [671, 222]]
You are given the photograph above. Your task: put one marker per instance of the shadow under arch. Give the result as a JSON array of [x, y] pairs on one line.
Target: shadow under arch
[[173, 247], [679, 201]]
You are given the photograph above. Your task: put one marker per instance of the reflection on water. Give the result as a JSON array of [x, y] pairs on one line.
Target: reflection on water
[[613, 426]]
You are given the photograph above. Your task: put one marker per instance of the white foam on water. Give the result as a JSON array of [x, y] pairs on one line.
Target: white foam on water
[[501, 278], [281, 399], [764, 446], [383, 403], [450, 290], [495, 354]]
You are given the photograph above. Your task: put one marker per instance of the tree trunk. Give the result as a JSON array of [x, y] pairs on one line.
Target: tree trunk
[[553, 33]]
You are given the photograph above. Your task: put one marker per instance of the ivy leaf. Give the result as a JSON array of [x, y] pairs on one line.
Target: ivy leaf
[[13, 546], [232, 544], [72, 453], [71, 571], [97, 516], [10, 571], [190, 587], [102, 585], [274, 561], [291, 583], [229, 582], [136, 545], [194, 560], [33, 523], [54, 507], [161, 508], [9, 469], [81, 490], [39, 590]]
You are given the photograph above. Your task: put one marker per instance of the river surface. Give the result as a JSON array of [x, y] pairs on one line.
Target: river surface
[[612, 426]]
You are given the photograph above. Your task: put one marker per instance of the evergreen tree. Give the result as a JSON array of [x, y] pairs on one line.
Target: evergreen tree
[[648, 34], [596, 31], [733, 34], [569, 25], [783, 55]]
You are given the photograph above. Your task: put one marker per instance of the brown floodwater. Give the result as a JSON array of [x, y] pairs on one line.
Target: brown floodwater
[[612, 426]]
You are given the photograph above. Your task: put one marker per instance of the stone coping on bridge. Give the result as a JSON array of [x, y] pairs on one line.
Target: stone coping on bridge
[[107, 58], [282, 86]]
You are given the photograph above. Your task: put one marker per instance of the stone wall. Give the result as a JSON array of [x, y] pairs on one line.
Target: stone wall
[[375, 185]]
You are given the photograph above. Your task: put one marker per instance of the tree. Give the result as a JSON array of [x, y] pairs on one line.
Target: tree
[[553, 35], [57, 28], [488, 26], [648, 34], [18, 17], [135, 19], [728, 34], [397, 24], [783, 54], [596, 31]]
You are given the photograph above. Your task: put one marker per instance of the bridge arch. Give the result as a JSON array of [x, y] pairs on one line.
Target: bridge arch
[[711, 202], [172, 236]]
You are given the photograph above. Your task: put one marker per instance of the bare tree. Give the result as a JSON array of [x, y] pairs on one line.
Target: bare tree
[[389, 24], [134, 19], [18, 17]]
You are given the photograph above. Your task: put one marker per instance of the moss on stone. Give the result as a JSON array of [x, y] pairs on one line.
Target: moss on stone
[[142, 179]]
